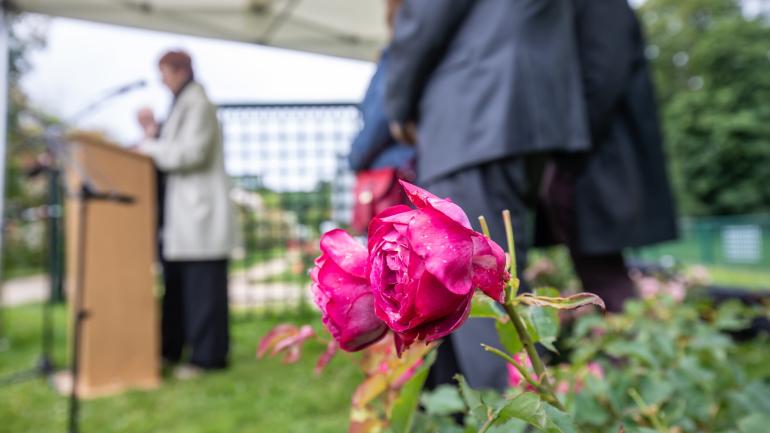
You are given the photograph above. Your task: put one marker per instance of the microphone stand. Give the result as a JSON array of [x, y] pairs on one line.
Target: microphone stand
[[86, 195]]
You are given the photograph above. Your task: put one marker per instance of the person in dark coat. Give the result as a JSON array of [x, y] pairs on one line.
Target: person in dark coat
[[374, 147], [485, 88], [618, 195]]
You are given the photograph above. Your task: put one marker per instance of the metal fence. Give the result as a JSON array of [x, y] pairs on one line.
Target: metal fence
[[293, 182], [737, 241], [289, 165]]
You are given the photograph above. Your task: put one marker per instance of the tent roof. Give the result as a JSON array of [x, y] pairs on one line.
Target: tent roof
[[344, 28]]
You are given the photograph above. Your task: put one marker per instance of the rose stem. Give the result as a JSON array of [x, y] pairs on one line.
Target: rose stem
[[511, 251], [529, 346], [523, 371], [524, 336], [484, 226]]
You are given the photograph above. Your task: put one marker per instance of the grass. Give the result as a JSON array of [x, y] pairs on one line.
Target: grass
[[252, 396], [736, 276]]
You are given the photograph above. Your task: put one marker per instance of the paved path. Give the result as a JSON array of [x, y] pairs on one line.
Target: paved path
[[250, 288], [19, 291]]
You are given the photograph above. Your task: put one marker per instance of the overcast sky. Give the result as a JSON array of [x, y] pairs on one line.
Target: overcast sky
[[82, 60]]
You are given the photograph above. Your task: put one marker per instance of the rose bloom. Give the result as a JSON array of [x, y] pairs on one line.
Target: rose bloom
[[425, 265], [341, 290]]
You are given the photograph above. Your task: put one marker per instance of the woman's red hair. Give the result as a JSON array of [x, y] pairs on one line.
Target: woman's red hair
[[177, 60]]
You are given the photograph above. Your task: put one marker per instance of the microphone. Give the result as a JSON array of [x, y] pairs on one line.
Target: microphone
[[130, 87], [121, 90]]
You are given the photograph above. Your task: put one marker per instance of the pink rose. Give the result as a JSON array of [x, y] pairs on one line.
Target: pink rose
[[341, 290], [596, 370], [425, 265], [515, 377]]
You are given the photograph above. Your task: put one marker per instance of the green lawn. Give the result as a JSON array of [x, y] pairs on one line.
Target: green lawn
[[252, 396]]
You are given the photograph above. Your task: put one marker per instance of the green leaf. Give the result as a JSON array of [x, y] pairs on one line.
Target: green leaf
[[526, 316], [547, 291], [508, 337], [754, 423], [655, 390], [646, 430], [546, 323], [586, 324], [526, 406], [631, 349], [731, 316], [568, 303], [512, 426], [444, 400], [484, 307], [753, 397], [589, 411], [402, 414], [472, 398], [558, 421]]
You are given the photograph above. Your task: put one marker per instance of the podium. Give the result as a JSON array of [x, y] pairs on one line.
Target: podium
[[110, 256]]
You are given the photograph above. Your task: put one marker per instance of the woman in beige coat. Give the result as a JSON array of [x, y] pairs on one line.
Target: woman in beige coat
[[198, 231]]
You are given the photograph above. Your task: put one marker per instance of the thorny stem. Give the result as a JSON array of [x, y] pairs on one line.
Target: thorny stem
[[486, 426], [513, 362], [647, 410], [484, 226], [549, 397], [511, 252], [537, 363], [544, 388]]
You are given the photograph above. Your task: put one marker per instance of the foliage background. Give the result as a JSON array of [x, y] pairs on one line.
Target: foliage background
[[711, 66]]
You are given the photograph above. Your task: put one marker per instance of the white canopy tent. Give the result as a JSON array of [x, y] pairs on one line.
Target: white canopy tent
[[344, 28]]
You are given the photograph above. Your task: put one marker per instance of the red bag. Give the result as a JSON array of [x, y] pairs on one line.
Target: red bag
[[375, 191]]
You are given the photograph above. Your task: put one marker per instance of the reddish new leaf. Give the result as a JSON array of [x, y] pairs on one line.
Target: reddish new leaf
[[285, 338], [568, 303], [327, 356], [274, 336]]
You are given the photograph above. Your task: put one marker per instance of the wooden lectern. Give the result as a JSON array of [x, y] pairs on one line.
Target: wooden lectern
[[119, 346]]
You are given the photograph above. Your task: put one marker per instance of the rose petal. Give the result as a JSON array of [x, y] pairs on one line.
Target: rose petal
[[341, 248], [333, 281], [489, 273], [359, 326], [418, 196], [384, 222], [423, 199], [432, 301], [446, 249], [437, 329]]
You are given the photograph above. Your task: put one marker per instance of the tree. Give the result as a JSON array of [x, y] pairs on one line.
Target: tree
[[712, 68], [24, 241]]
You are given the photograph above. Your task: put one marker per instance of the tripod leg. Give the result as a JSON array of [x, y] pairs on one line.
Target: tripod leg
[[54, 270], [80, 315]]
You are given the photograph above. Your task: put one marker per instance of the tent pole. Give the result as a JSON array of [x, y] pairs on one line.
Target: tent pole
[[4, 73]]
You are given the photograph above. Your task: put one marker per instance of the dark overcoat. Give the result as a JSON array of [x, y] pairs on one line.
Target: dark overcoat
[[485, 80], [622, 194]]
